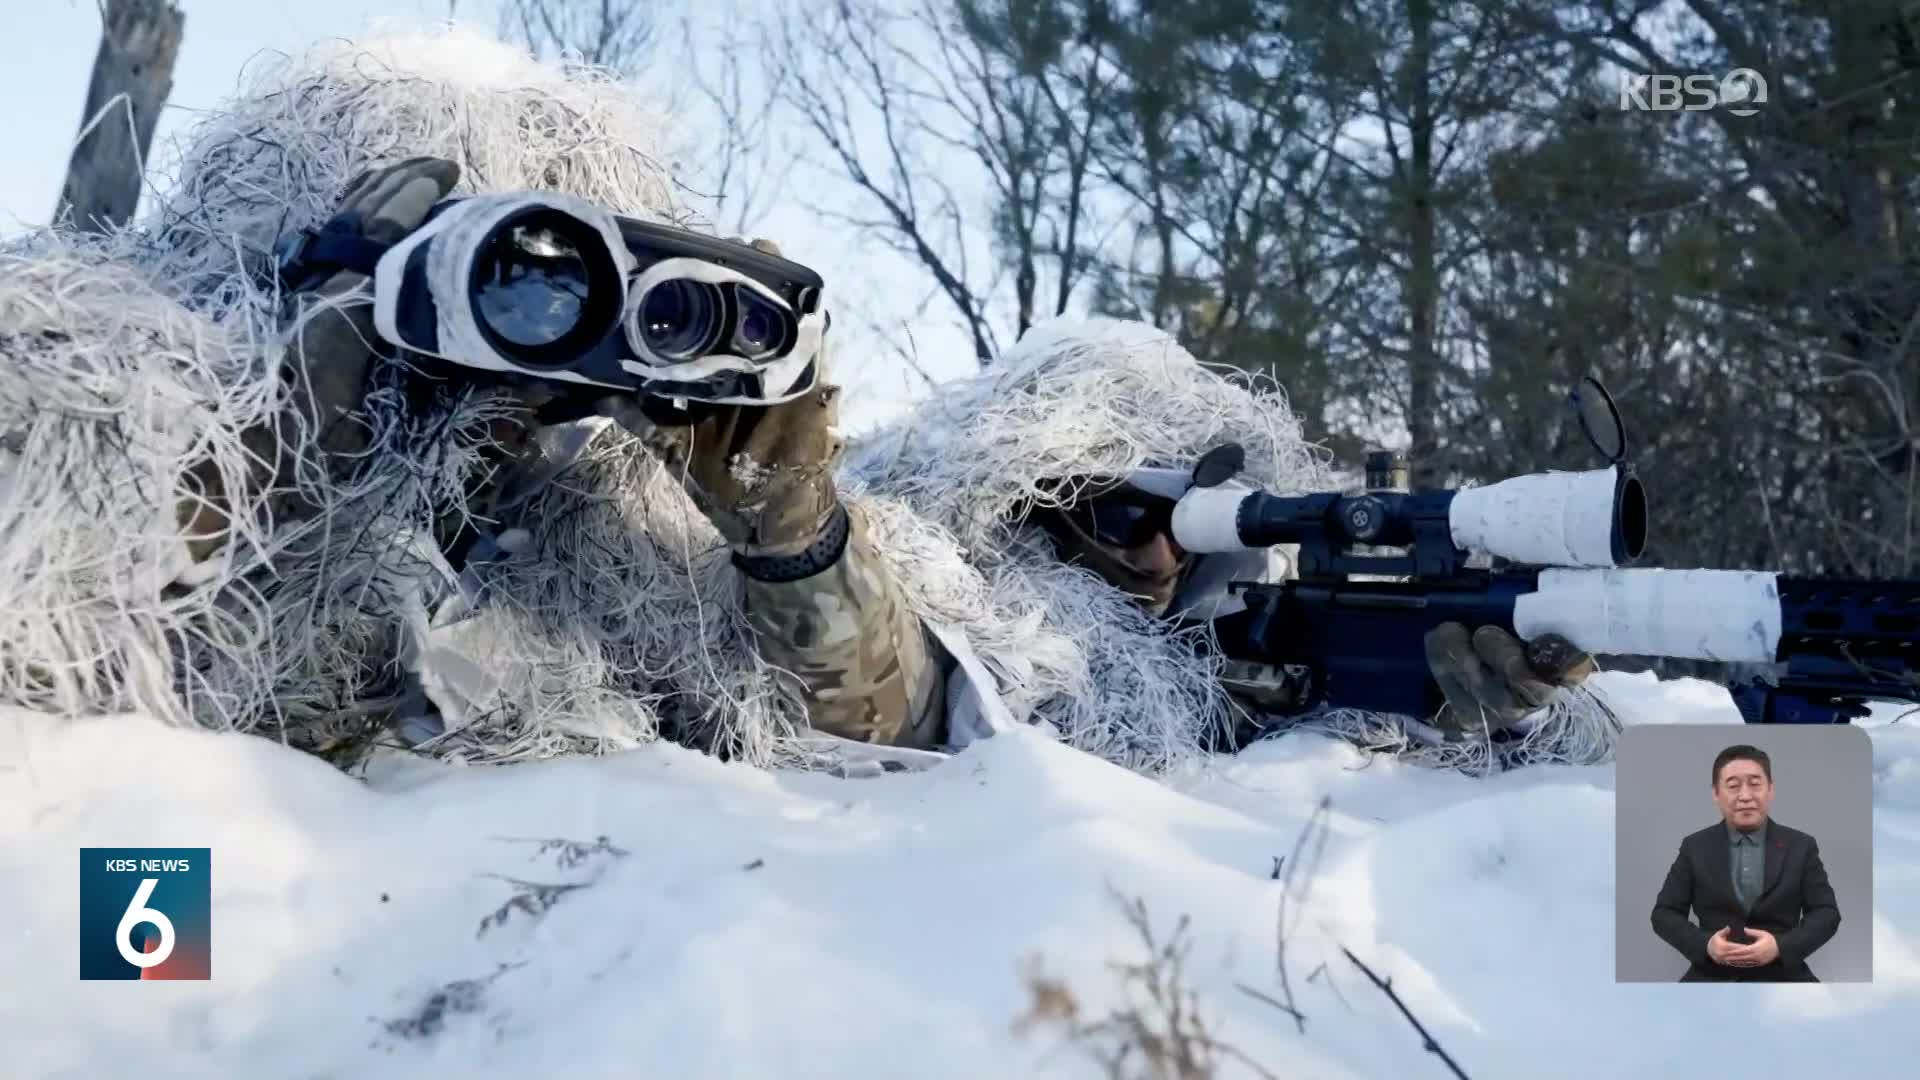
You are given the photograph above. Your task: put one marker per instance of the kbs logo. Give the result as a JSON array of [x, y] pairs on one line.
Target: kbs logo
[[146, 913], [1741, 92]]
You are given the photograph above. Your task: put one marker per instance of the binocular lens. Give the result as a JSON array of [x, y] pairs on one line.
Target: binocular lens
[[761, 326], [680, 319], [530, 285]]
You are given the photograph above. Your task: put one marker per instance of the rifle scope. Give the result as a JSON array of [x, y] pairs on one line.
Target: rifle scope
[[1587, 519]]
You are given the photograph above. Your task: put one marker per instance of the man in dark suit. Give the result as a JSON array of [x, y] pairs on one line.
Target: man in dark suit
[[1756, 886]]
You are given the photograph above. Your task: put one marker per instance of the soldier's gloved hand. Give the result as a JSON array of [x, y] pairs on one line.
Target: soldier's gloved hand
[[763, 474], [334, 346], [1491, 679]]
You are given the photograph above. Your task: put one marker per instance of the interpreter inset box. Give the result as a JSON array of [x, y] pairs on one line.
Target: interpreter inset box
[[1743, 853]]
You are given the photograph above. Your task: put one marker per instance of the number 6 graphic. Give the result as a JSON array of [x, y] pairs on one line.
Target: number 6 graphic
[[138, 912]]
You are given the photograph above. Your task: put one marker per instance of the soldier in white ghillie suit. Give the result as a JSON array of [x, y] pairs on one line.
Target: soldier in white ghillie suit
[[242, 509], [1072, 450]]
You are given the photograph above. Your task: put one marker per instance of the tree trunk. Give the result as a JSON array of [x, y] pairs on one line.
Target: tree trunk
[[132, 76], [1423, 278]]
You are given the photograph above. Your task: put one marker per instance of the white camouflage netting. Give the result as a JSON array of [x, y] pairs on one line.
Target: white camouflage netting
[[350, 588], [1075, 400], [614, 617], [1100, 398], [112, 390]]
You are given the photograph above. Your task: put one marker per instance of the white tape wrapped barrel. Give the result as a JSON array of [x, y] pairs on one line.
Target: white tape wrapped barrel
[[1731, 615]]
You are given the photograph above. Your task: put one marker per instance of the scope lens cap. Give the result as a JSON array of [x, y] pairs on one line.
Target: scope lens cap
[[1219, 465], [1599, 418]]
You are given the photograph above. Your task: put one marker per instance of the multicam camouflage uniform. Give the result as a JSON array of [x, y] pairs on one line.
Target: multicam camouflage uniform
[[823, 604], [871, 671], [820, 601], [826, 607], [873, 674]]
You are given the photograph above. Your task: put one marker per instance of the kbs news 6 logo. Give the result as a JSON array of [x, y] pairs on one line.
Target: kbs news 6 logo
[[146, 913]]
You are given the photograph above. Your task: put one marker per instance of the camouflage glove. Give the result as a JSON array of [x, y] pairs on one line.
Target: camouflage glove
[[333, 347], [763, 474], [336, 346], [1491, 680]]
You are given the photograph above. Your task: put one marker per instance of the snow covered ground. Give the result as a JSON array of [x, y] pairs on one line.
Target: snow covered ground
[[789, 926]]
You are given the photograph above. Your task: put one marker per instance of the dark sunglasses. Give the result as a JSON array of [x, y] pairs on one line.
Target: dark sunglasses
[[1124, 518]]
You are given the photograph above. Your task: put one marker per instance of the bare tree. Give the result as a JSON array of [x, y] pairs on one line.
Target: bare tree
[[745, 160], [132, 76], [911, 110], [614, 34], [1435, 89], [1214, 140], [1153, 160], [1033, 91], [1794, 258]]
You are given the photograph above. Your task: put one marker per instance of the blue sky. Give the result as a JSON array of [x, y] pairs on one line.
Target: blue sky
[[52, 43]]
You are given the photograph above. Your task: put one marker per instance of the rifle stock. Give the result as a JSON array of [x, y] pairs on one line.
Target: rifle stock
[[1364, 642]]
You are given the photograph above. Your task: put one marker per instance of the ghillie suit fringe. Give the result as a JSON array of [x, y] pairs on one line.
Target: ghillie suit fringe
[[1577, 727], [113, 390], [612, 614], [1102, 398], [275, 159], [1072, 401], [613, 617], [168, 348]]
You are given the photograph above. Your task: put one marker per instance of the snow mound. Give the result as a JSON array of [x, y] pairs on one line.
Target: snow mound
[[717, 920]]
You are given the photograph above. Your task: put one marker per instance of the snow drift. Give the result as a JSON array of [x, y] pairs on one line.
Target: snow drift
[[731, 921]]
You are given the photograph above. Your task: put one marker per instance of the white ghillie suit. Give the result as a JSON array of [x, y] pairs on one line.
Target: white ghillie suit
[[137, 363], [143, 366], [1079, 399], [111, 389]]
